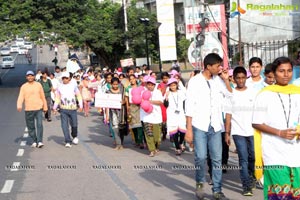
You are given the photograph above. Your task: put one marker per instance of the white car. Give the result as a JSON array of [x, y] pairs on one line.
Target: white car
[[28, 45], [5, 51], [8, 62], [23, 50], [14, 49], [20, 42]]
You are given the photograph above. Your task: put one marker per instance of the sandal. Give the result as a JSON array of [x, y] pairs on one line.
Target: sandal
[[178, 152], [182, 147], [118, 147], [152, 154], [156, 151]]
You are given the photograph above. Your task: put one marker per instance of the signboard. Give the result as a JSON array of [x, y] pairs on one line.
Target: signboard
[[72, 66], [215, 20], [167, 37], [104, 100], [215, 24], [211, 45], [127, 62], [265, 20]]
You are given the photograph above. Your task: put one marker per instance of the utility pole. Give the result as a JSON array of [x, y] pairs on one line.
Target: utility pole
[[145, 21], [241, 63], [125, 22], [200, 38]]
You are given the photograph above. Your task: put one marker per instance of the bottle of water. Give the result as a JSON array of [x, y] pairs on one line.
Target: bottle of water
[[296, 127]]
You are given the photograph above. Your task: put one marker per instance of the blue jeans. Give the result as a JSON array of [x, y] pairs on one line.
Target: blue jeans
[[32, 118], [245, 149], [69, 116], [211, 141]]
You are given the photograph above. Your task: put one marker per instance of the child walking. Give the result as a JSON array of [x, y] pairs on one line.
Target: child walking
[[176, 123]]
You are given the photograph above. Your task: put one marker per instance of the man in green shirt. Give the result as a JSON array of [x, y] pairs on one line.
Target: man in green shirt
[[47, 87]]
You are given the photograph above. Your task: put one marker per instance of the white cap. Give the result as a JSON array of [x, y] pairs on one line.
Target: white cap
[[65, 74]]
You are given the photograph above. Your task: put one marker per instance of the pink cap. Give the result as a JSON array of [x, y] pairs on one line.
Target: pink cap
[[85, 75], [172, 80], [174, 72], [151, 80]]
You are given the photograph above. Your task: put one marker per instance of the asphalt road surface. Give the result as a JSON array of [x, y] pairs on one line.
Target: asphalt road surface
[[91, 170]]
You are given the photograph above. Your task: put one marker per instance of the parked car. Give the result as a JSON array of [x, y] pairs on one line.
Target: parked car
[[5, 51], [14, 49], [7, 62], [23, 50], [20, 42], [28, 45]]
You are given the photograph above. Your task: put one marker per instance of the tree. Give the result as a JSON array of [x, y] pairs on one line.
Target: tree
[[100, 26], [182, 49]]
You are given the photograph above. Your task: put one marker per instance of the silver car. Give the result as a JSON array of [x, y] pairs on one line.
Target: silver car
[[5, 51], [7, 62]]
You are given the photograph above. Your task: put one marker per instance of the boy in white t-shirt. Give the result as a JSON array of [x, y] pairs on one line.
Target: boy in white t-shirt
[[256, 81], [239, 125]]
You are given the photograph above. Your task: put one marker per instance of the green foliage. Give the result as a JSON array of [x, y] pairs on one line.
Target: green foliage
[[182, 48], [100, 26]]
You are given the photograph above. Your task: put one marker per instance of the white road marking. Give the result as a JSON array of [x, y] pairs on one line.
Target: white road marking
[[26, 129], [25, 135], [23, 143], [15, 166], [7, 186], [20, 152]]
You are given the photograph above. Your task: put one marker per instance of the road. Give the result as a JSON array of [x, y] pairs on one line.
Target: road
[[91, 170]]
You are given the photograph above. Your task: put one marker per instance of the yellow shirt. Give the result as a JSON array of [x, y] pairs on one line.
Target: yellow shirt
[[33, 96]]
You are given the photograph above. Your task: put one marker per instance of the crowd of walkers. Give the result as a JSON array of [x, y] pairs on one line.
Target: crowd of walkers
[[260, 114]]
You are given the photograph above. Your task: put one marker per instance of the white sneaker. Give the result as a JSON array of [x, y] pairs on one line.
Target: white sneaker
[[68, 145], [33, 145], [75, 140], [40, 145]]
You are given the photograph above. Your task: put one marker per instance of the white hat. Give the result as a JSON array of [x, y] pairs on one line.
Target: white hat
[[65, 74]]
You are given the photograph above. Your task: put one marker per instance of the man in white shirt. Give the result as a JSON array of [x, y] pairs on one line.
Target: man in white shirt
[[239, 124], [204, 120]]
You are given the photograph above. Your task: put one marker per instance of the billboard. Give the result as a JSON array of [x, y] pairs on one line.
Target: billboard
[[265, 20], [167, 37], [211, 45], [193, 18], [216, 23]]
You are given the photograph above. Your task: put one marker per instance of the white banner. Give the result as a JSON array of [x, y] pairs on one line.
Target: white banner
[[72, 66], [167, 38], [127, 62], [103, 100]]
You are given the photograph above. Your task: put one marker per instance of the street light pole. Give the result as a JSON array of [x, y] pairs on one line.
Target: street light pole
[[240, 37], [159, 58], [147, 49], [145, 21]]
